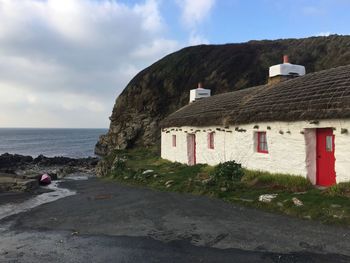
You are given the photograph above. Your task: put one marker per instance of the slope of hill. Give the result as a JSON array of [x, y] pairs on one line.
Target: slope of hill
[[164, 87]]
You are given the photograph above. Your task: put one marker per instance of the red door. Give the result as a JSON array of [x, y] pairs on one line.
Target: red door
[[325, 173], [191, 149]]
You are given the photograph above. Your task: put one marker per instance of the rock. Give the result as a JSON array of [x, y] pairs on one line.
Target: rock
[[66, 170], [223, 189], [246, 200], [126, 177], [13, 184], [59, 160], [308, 217], [102, 169], [206, 181], [147, 171], [279, 204], [169, 183], [267, 198], [155, 176], [53, 176], [13, 160], [297, 202]]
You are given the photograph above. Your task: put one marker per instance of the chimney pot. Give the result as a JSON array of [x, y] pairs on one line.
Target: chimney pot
[[285, 59], [200, 86]]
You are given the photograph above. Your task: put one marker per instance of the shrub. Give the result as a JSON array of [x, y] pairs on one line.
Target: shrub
[[119, 164], [228, 170]]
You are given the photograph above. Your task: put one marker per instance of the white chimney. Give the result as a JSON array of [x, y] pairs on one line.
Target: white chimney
[[199, 93], [286, 69]]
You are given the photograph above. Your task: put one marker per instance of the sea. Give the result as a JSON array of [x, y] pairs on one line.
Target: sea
[[73, 143]]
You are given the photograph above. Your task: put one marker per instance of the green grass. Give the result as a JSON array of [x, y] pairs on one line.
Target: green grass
[[277, 181], [341, 189], [331, 205]]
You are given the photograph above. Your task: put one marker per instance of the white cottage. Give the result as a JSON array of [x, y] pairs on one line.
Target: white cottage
[[296, 124]]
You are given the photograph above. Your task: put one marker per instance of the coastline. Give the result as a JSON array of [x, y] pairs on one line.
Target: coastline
[[19, 173]]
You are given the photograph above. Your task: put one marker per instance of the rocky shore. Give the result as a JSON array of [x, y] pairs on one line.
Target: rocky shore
[[22, 173]]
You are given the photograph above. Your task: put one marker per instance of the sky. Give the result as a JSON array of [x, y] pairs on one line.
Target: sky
[[64, 62]]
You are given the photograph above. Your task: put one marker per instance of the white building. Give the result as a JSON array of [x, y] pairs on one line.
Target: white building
[[296, 126]]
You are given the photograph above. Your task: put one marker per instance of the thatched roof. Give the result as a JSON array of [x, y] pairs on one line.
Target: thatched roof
[[321, 95]]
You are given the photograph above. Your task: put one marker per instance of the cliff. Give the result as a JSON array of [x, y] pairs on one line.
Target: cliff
[[164, 87]]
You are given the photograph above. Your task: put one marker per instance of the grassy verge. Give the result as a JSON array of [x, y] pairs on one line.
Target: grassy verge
[[144, 167]]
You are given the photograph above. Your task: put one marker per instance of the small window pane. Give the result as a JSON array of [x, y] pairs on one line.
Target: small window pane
[[329, 143], [262, 142]]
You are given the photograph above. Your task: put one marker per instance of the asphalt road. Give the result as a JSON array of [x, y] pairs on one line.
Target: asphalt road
[[108, 222]]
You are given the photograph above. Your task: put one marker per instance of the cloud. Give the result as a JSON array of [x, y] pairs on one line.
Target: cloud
[[76, 56], [196, 39], [193, 14], [195, 11], [323, 34]]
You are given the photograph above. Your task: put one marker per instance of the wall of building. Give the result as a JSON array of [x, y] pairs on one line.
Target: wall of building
[[291, 146]]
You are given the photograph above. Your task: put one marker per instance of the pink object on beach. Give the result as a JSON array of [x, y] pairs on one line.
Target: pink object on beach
[[45, 179]]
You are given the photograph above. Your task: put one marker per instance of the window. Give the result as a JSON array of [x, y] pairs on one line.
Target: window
[[211, 140], [174, 140], [262, 143], [329, 143]]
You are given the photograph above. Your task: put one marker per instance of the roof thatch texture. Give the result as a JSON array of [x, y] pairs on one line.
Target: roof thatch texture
[[321, 95]]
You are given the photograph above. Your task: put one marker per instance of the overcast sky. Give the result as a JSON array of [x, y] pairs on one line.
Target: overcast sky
[[63, 62]]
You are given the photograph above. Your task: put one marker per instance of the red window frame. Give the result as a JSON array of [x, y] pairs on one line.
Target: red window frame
[[174, 140], [262, 146], [211, 140]]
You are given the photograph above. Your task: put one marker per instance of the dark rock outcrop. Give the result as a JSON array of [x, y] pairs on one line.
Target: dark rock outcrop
[[22, 173], [13, 161], [8, 161], [60, 160], [164, 87]]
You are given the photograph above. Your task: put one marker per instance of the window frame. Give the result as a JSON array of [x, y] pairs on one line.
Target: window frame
[[259, 141], [174, 140], [211, 140]]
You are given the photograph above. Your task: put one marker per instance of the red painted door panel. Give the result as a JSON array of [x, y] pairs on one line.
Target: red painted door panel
[[325, 157], [191, 149]]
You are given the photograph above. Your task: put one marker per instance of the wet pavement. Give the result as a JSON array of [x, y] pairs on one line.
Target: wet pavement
[[50, 193], [108, 222]]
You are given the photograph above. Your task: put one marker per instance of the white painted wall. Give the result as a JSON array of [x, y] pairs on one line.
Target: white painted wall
[[290, 152]]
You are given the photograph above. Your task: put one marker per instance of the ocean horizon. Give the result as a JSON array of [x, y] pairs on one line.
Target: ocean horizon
[[68, 142]]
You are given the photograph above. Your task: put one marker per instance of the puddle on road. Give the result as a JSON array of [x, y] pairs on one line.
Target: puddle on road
[[55, 194], [78, 177]]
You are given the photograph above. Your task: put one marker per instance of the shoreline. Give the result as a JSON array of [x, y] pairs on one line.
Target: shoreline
[[21, 173]]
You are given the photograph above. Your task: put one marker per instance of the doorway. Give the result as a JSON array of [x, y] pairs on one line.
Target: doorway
[[325, 160], [191, 149]]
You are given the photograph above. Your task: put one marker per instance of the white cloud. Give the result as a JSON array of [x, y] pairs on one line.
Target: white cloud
[[197, 39], [323, 34], [195, 11], [193, 14], [65, 56]]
